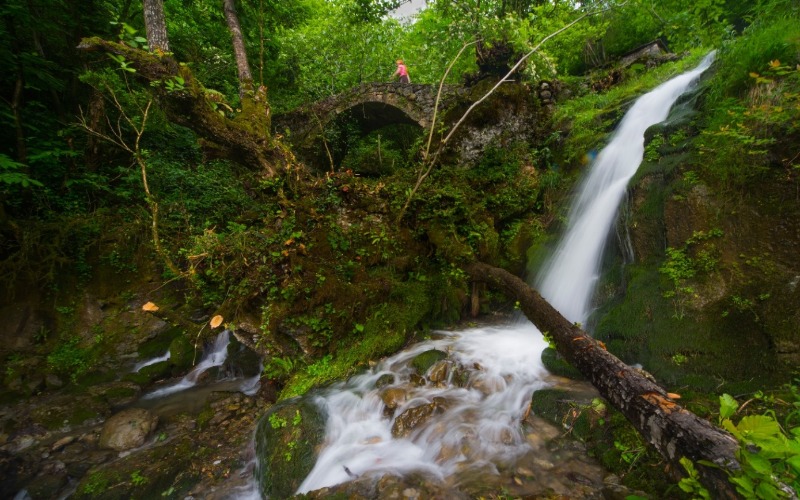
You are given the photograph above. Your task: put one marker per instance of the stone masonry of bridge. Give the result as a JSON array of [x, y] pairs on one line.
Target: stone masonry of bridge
[[414, 101]]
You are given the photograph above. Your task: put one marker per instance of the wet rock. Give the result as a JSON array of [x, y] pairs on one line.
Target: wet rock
[[61, 443], [423, 361], [393, 397], [15, 471], [287, 437], [613, 489], [410, 419], [118, 393], [49, 482], [241, 361], [488, 384], [384, 380], [391, 487], [53, 382], [417, 380], [145, 473], [127, 429], [557, 365], [439, 372], [182, 353]]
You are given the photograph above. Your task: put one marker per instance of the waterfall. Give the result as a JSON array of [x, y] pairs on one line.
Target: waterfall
[[152, 361], [215, 355], [568, 278], [478, 431]]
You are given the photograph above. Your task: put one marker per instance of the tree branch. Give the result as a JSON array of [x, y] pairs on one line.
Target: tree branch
[[245, 139]]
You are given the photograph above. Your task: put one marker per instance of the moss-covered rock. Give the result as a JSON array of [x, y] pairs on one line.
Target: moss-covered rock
[[160, 471], [182, 353], [557, 365], [423, 361], [287, 437]]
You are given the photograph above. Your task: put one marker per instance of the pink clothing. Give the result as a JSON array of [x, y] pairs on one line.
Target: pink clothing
[[401, 70]]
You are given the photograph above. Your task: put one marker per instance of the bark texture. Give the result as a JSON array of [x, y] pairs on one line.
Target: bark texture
[[674, 431], [245, 139], [242, 66], [155, 24]]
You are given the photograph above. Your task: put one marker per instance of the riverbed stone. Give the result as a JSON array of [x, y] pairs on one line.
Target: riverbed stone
[[127, 429], [423, 361], [393, 397], [439, 372], [412, 418], [384, 380]]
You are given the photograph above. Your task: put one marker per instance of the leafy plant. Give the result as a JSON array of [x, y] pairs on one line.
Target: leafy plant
[[137, 479], [769, 454], [277, 422], [68, 358]]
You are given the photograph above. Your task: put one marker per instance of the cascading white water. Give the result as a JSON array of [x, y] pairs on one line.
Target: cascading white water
[[152, 361], [476, 426], [567, 280], [215, 355]]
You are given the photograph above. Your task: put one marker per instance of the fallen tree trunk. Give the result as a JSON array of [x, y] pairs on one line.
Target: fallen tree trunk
[[674, 431], [245, 139]]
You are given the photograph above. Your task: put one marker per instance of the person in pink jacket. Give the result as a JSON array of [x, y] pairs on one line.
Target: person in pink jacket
[[402, 72]]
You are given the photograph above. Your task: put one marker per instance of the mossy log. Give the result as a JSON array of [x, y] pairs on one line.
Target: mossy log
[[674, 431], [245, 139]]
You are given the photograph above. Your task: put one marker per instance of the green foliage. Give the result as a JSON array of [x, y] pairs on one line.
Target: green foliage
[[754, 100], [70, 359], [12, 173], [590, 117], [137, 479], [277, 422], [683, 264], [768, 452], [691, 483], [96, 484]]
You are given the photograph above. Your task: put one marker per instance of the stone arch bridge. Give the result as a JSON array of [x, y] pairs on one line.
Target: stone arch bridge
[[373, 104]]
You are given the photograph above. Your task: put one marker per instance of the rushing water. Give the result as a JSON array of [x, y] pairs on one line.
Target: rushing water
[[567, 280], [192, 392], [215, 355], [151, 361], [476, 424]]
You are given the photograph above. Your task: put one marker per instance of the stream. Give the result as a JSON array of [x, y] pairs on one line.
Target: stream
[[462, 420]]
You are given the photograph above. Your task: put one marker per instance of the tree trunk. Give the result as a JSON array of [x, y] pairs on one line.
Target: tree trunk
[[155, 25], [674, 431], [245, 77], [245, 139]]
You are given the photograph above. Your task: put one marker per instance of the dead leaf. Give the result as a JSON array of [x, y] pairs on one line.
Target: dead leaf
[[215, 321], [150, 307]]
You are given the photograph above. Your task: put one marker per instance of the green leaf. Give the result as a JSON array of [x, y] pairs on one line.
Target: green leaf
[[758, 463], [767, 491], [744, 485], [727, 406], [759, 428]]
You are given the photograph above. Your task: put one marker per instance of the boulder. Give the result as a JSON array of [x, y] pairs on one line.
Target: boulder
[[127, 429]]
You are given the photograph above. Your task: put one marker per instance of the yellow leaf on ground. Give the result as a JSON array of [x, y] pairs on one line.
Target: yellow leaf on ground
[[150, 307], [215, 321]]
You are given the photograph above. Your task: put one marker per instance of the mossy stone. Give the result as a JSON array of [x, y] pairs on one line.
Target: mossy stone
[[182, 353], [423, 361], [287, 438], [551, 404], [557, 365]]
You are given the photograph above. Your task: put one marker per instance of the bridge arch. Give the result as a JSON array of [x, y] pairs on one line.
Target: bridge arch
[[376, 102]]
